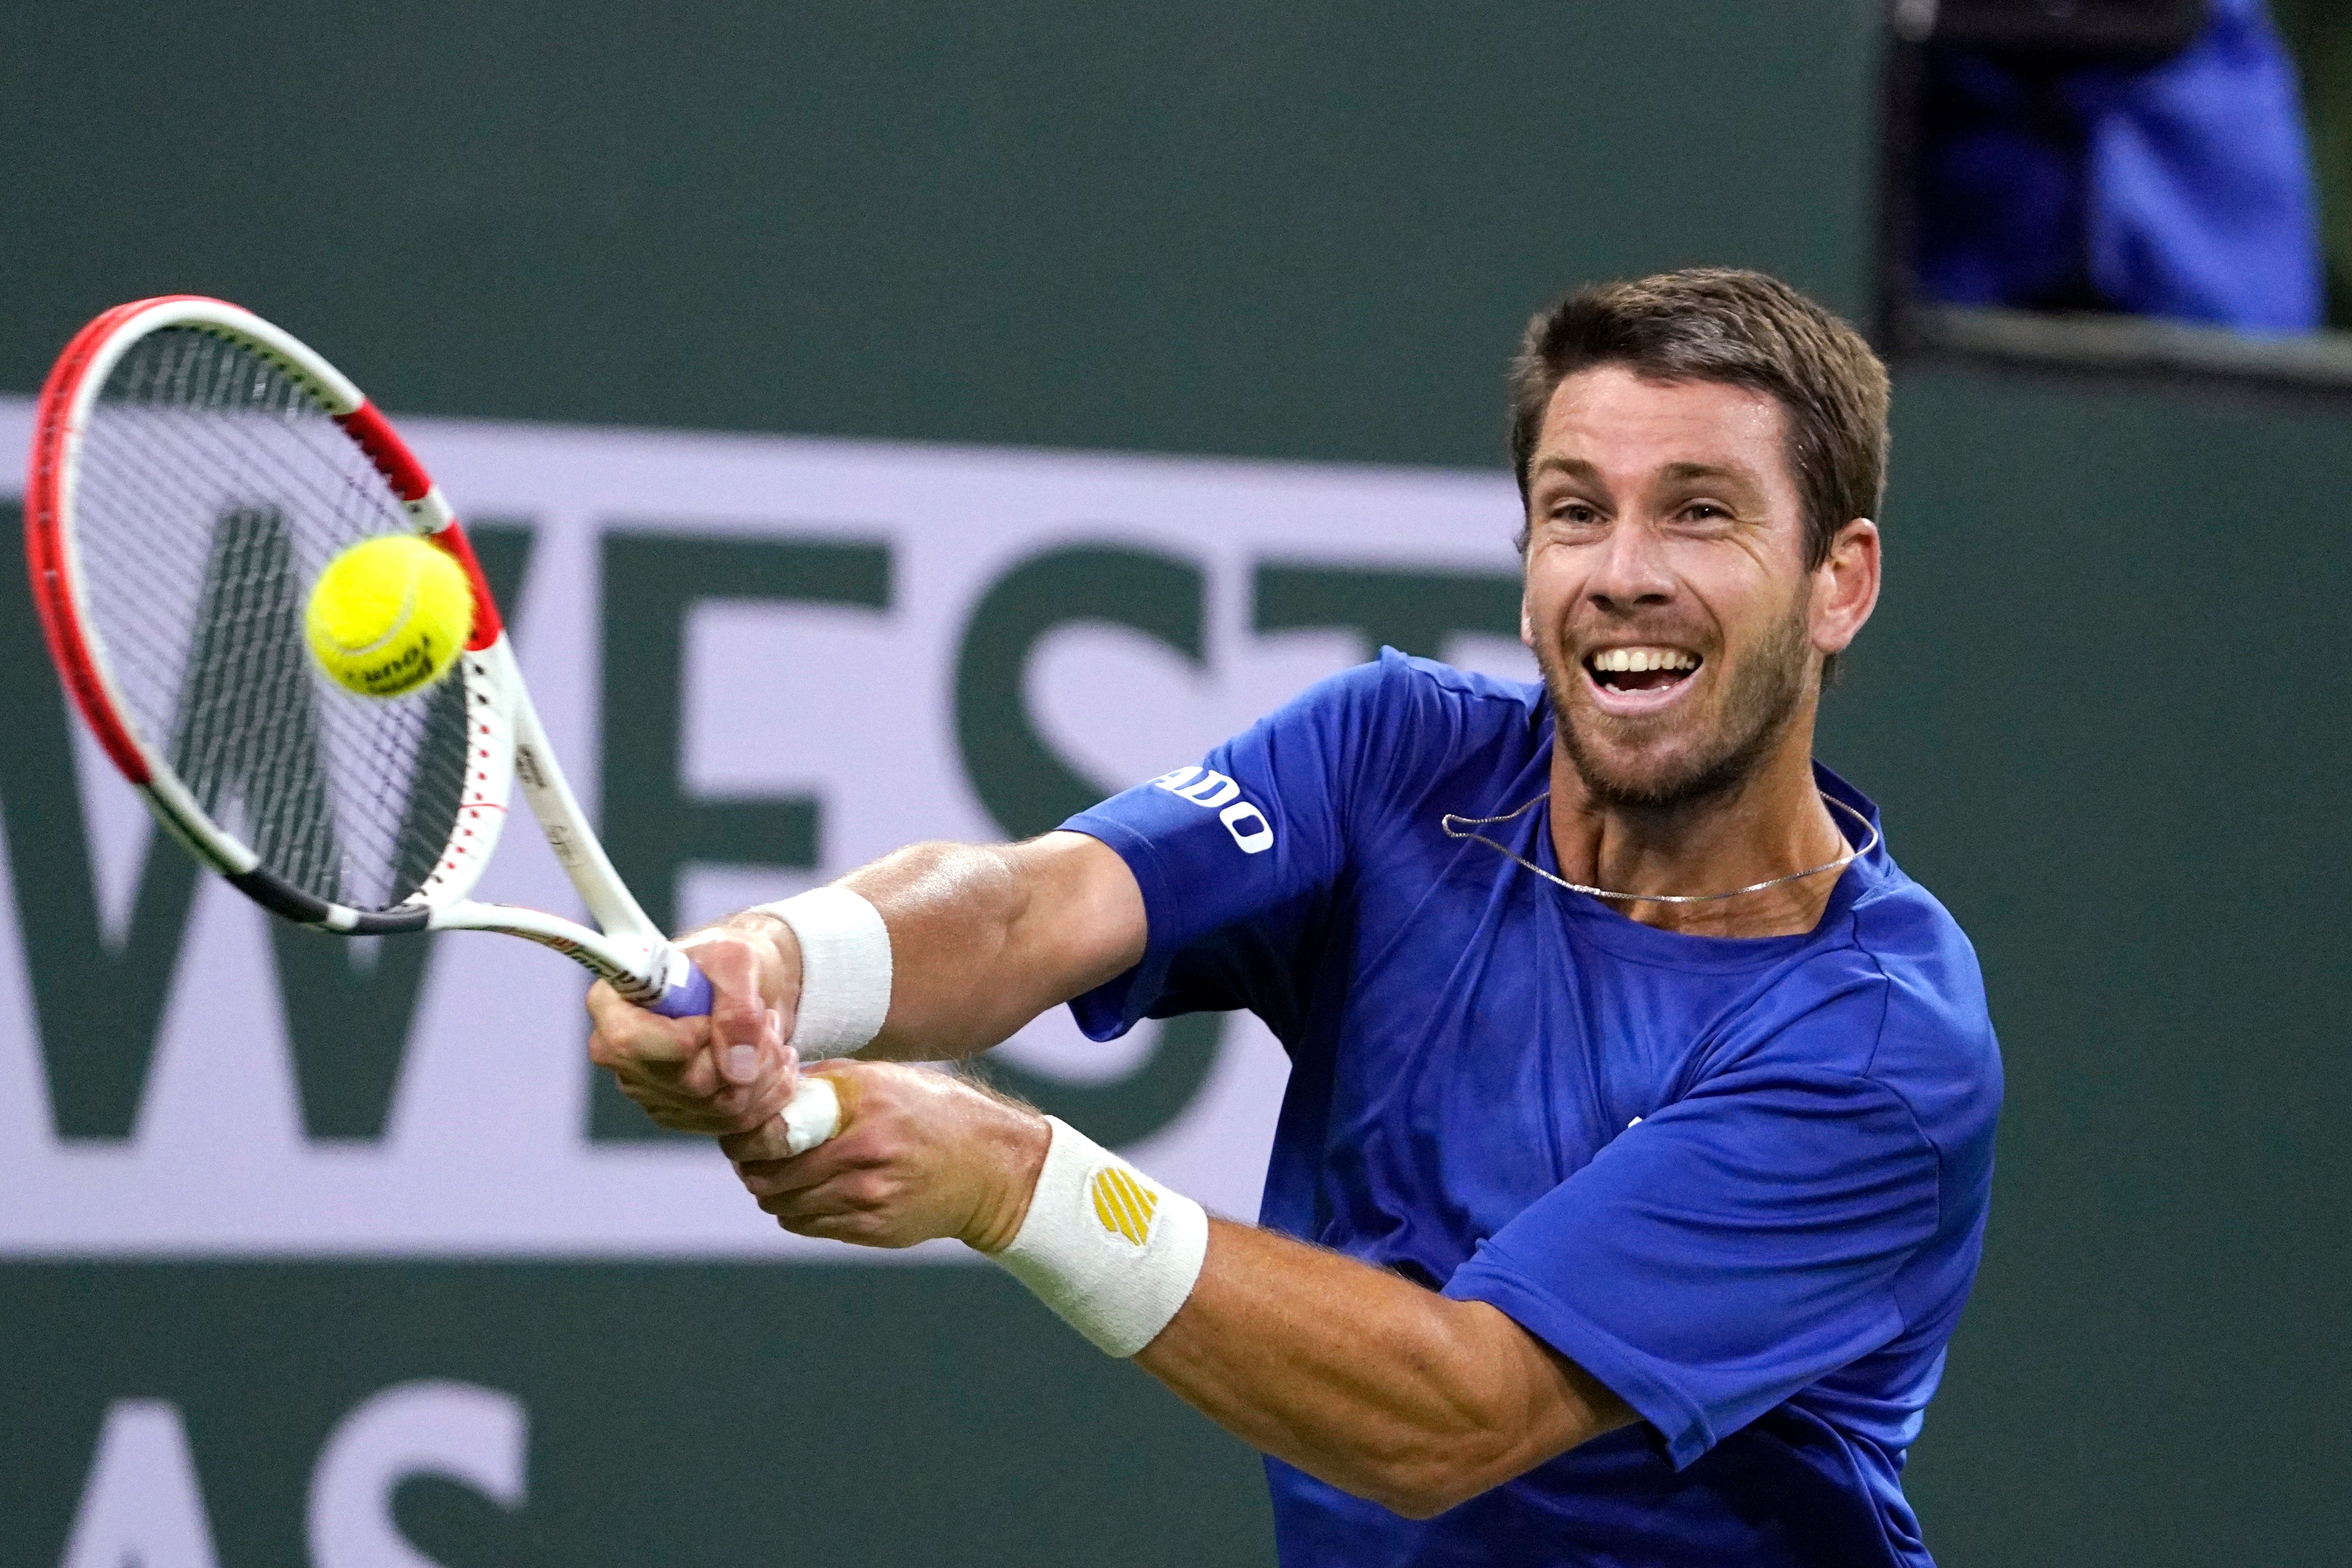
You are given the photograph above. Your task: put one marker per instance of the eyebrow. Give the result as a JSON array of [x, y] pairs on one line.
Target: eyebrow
[[1673, 473], [1682, 472], [1574, 468]]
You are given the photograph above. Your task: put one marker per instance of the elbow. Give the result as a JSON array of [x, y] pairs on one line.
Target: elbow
[[1423, 1502], [1421, 1479], [1426, 1491], [1426, 1483]]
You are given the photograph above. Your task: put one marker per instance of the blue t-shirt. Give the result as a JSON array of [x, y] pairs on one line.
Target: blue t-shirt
[[1742, 1183]]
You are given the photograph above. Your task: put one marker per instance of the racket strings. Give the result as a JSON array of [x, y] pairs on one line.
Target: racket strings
[[212, 486]]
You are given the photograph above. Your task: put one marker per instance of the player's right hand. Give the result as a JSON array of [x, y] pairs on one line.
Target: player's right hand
[[728, 1073]]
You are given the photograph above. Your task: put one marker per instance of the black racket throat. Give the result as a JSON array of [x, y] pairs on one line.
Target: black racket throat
[[281, 898]]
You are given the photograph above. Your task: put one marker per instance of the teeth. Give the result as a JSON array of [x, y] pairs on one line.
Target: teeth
[[1632, 661]]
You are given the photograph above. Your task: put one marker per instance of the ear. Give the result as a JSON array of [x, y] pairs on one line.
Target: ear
[[1845, 586], [1526, 621]]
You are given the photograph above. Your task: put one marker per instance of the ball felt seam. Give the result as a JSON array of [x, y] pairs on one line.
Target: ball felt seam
[[389, 616], [1114, 1253]]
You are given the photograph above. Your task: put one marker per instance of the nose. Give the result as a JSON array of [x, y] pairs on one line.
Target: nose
[[1631, 570]]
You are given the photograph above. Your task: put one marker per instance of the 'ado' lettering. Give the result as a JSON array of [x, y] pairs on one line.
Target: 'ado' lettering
[[1212, 791]]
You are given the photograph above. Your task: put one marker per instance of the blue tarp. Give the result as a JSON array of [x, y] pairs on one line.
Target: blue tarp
[[2182, 189]]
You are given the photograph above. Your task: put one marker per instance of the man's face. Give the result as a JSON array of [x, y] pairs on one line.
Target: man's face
[[1666, 596]]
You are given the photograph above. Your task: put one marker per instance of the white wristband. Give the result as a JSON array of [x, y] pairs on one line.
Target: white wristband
[[845, 971], [1112, 1251]]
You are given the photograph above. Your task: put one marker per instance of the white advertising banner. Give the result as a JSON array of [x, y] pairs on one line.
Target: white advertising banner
[[764, 661]]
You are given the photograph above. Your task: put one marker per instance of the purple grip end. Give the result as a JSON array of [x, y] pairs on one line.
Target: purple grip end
[[690, 998]]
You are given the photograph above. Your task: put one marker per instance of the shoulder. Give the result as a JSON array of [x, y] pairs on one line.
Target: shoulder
[[1934, 983], [1402, 685], [1486, 698], [1401, 704], [1903, 987], [1398, 728]]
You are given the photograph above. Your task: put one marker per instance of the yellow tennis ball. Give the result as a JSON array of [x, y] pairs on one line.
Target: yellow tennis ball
[[389, 616]]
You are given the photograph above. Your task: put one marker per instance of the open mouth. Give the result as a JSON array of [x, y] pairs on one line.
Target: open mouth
[[1641, 668]]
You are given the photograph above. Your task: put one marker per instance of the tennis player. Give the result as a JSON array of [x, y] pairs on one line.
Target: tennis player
[[1634, 1162]]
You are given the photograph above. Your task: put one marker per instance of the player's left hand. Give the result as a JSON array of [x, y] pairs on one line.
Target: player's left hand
[[727, 1073], [920, 1155]]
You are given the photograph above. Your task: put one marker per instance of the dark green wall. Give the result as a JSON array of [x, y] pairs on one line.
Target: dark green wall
[[2103, 701], [2103, 705], [1297, 230]]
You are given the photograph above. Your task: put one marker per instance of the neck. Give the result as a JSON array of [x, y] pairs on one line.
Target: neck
[[1769, 824]]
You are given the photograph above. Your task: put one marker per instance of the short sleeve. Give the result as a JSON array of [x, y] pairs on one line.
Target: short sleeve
[[1735, 1247], [1237, 855]]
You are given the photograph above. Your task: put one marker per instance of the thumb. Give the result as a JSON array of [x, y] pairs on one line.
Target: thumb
[[743, 1028], [740, 1061]]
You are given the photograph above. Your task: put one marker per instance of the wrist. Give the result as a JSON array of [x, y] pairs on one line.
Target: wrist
[[1018, 1146], [1111, 1251], [775, 953], [845, 969], [775, 948]]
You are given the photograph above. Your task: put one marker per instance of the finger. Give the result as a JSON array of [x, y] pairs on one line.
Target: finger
[[837, 1195], [762, 1174], [742, 1107], [766, 1143], [774, 1178], [737, 1068], [742, 1023], [755, 1104], [771, 1137], [627, 1034]]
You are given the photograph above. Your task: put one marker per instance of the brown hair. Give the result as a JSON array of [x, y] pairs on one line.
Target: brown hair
[[1715, 323]]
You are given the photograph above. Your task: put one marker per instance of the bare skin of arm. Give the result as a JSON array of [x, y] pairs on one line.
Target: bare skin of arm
[[1382, 1388], [984, 939], [1368, 1381]]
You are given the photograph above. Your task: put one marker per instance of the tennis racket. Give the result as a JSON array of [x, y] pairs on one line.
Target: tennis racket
[[193, 468]]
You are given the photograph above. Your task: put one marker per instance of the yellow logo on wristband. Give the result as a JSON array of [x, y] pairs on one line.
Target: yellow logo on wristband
[[1123, 1203]]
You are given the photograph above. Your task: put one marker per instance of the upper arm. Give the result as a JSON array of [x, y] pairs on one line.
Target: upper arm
[[1079, 918], [1236, 857]]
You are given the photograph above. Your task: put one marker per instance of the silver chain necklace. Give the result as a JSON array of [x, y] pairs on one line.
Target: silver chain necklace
[[1449, 819]]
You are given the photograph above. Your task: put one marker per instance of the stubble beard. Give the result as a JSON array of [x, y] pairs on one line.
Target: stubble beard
[[1765, 694]]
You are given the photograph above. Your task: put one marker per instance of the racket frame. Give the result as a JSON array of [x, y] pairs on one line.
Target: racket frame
[[506, 741]]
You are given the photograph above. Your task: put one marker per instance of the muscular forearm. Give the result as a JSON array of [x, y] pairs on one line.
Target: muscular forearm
[[986, 937], [1366, 1380]]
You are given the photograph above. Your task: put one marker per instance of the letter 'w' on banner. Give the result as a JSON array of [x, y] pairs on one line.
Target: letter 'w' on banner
[[767, 661]]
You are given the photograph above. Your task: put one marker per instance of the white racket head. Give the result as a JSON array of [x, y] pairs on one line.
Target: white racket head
[[194, 467]]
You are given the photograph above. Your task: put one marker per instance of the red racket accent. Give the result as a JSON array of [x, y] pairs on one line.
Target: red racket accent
[[367, 426], [390, 454], [44, 552], [190, 474], [488, 627], [180, 505]]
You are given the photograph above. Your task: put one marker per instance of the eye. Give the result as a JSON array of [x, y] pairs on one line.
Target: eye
[[1706, 511], [1575, 513]]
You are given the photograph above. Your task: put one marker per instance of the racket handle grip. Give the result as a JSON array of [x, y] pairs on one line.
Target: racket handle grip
[[813, 1114], [688, 995]]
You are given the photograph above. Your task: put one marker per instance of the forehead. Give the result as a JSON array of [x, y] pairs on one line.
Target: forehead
[[1628, 426]]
